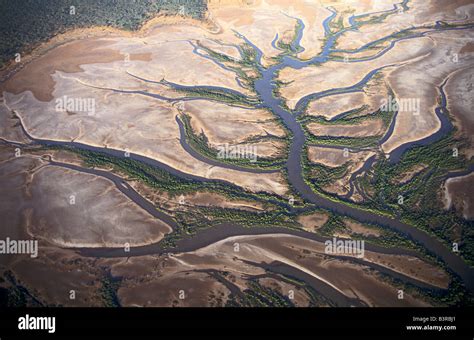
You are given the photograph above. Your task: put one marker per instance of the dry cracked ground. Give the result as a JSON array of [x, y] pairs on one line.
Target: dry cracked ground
[[211, 162]]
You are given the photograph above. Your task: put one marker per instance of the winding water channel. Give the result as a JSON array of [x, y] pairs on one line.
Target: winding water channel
[[265, 87]]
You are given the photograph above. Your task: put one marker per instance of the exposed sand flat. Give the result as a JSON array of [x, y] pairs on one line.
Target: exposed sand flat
[[109, 214], [55, 273], [419, 80], [459, 195], [367, 101], [334, 157], [13, 179], [152, 58], [128, 122], [98, 32], [250, 122], [162, 40], [229, 51], [183, 280], [368, 127], [410, 266], [181, 289], [194, 200], [208, 199], [268, 149], [144, 275], [359, 228], [169, 45], [305, 255], [9, 128], [367, 53], [313, 221], [308, 80], [108, 68], [144, 126], [360, 6], [365, 286], [469, 47], [235, 126], [213, 199], [37, 77], [259, 24], [170, 274], [69, 208], [346, 8], [460, 94], [312, 14], [421, 13], [331, 106], [261, 21]]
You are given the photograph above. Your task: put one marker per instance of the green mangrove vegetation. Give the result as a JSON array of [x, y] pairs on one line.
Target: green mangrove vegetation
[[201, 145]]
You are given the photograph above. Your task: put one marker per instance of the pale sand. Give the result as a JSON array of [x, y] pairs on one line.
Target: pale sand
[[366, 128], [303, 254], [421, 13], [460, 95], [458, 194], [419, 80], [332, 74], [313, 221]]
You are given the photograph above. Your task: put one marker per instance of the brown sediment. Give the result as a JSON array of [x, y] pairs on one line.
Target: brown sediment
[[102, 32], [141, 56], [359, 228], [421, 13], [59, 221], [368, 127], [186, 288], [469, 47], [56, 273], [57, 54], [193, 200], [334, 157], [311, 257], [252, 123], [214, 199], [37, 77], [421, 81], [460, 96], [313, 221], [459, 194]]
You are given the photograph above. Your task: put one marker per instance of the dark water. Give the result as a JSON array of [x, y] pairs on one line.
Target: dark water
[[210, 161], [446, 127], [264, 88], [336, 298]]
